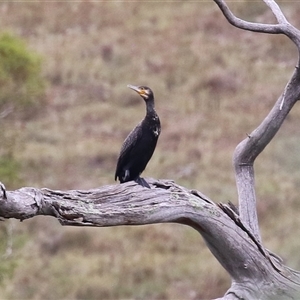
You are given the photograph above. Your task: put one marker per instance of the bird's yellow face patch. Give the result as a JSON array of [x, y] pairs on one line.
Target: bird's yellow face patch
[[143, 92]]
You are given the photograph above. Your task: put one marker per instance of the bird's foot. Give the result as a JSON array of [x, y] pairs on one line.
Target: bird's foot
[[141, 181]]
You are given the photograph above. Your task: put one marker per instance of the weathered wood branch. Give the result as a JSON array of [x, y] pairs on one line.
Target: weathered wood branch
[[276, 11], [248, 150], [250, 26], [255, 273], [282, 27]]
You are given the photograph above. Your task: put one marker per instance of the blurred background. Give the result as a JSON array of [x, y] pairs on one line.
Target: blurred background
[[65, 111]]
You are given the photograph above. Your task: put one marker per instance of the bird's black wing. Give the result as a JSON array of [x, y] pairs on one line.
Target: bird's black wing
[[131, 140]]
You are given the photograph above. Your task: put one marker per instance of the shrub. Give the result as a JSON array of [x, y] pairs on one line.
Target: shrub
[[22, 89], [21, 83]]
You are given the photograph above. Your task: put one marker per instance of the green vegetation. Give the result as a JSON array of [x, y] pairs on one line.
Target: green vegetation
[[21, 90], [213, 84], [21, 83]]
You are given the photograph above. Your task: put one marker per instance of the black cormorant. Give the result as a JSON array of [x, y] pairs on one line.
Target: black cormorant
[[139, 145]]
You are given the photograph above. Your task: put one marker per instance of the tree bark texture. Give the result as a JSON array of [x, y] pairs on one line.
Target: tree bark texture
[[254, 271]]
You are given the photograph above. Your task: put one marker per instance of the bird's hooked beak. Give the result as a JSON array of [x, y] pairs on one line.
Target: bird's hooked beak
[[137, 89]]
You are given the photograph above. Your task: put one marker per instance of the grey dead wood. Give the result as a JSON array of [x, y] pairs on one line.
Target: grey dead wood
[[255, 273], [231, 234]]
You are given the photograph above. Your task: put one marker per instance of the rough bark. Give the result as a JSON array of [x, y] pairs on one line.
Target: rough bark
[[255, 273], [233, 238]]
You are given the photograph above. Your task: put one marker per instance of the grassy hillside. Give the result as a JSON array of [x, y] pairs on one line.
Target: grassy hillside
[[213, 84]]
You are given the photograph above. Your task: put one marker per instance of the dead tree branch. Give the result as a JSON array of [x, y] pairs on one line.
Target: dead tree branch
[[248, 150], [282, 27], [276, 11], [248, 263]]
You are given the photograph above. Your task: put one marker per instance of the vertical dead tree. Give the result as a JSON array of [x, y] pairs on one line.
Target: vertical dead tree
[[233, 238]]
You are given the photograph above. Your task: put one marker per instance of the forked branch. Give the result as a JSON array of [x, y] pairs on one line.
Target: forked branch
[[251, 26], [248, 150], [282, 27]]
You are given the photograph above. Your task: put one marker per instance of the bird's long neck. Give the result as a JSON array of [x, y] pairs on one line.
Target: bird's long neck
[[150, 110]]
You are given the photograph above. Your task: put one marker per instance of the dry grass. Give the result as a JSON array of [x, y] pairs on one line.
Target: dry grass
[[213, 84]]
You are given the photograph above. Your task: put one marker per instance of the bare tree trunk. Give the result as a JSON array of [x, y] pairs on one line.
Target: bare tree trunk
[[233, 237]]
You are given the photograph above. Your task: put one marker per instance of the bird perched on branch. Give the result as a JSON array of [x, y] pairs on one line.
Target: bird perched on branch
[[139, 145]]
